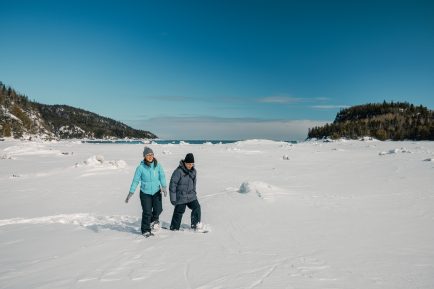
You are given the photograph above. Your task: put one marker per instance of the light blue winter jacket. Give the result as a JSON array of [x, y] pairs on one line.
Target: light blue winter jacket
[[151, 178]]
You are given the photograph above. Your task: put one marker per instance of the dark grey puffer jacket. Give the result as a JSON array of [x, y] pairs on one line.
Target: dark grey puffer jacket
[[183, 185]]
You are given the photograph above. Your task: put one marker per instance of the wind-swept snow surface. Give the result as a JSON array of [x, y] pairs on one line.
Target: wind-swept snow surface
[[341, 214]]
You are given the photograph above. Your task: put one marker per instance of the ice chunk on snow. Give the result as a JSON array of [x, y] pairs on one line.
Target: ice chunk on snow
[[118, 164], [262, 190], [404, 150], [94, 160], [395, 151], [97, 161], [6, 157]]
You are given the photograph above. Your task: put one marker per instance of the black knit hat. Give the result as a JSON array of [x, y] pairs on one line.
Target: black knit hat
[[189, 158]]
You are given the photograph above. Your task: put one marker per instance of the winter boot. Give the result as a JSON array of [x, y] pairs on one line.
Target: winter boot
[[199, 227], [155, 226]]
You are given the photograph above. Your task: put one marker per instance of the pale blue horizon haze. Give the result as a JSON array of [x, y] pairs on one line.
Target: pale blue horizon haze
[[219, 69]]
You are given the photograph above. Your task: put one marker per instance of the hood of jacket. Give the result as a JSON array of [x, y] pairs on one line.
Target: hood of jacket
[[191, 172], [145, 164]]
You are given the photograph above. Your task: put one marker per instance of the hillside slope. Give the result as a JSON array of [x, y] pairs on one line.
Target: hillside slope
[[21, 117]]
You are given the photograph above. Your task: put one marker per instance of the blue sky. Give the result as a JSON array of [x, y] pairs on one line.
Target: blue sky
[[219, 69]]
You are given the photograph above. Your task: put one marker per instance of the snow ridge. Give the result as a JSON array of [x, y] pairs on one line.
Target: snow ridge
[[94, 222]]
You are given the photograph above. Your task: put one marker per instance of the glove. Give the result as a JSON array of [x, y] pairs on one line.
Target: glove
[[164, 190], [173, 203], [128, 197]]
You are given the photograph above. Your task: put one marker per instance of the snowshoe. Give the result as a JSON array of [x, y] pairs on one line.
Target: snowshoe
[[155, 226], [199, 228], [147, 234]]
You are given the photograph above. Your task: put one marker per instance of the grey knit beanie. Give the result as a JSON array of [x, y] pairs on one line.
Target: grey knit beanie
[[146, 151]]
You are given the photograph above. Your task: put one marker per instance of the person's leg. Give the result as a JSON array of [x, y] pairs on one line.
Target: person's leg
[[177, 217], [195, 212], [157, 207], [146, 201]]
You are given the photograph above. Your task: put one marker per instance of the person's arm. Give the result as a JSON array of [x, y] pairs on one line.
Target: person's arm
[[162, 176], [174, 180], [136, 180], [128, 197], [194, 180]]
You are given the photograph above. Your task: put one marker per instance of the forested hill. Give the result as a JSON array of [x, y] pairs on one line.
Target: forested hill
[[394, 121], [21, 117]]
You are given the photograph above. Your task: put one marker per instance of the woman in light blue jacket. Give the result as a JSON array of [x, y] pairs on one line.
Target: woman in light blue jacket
[[152, 180]]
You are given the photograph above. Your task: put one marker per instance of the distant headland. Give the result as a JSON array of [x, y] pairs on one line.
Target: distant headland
[[21, 118], [384, 121]]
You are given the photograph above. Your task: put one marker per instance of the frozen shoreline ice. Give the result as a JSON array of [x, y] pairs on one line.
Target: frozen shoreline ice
[[332, 215]]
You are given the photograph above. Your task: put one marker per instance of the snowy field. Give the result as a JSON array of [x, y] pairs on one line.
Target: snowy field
[[346, 214]]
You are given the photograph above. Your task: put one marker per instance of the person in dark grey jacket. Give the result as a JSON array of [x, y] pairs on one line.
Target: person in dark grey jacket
[[183, 193]]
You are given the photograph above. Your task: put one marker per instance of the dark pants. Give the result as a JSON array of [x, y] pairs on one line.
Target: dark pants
[[194, 206], [152, 208]]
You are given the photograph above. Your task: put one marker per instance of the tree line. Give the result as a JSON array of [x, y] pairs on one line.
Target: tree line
[[61, 120], [384, 121]]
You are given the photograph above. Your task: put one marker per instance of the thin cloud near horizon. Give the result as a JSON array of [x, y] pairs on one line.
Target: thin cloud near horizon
[[226, 128], [289, 99], [329, 106], [281, 99]]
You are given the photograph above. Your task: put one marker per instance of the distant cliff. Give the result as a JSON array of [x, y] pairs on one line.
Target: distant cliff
[[394, 121], [21, 117]]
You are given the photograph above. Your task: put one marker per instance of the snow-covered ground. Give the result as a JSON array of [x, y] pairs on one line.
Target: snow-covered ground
[[345, 214]]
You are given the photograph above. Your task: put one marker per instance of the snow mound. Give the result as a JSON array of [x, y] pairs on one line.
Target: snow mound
[[89, 221], [183, 143], [94, 160], [119, 164], [257, 141], [27, 149], [6, 157], [97, 161], [395, 151], [262, 190]]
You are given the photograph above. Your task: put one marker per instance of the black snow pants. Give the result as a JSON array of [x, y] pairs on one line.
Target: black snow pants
[[179, 210], [152, 207]]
